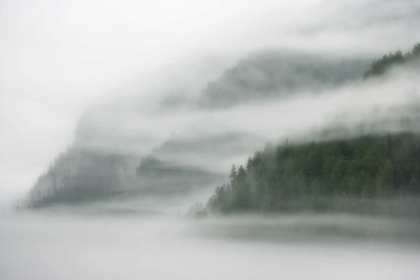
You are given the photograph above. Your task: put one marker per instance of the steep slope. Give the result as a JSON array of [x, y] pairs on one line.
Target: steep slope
[[79, 176], [88, 172], [82, 176]]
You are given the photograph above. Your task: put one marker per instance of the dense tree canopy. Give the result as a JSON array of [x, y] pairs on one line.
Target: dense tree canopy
[[288, 176]]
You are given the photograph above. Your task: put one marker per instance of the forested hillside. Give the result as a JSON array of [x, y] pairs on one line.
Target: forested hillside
[[290, 177], [327, 175], [87, 174], [380, 66], [278, 75], [79, 175]]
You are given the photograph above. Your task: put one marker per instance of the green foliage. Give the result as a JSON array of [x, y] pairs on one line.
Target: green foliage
[[383, 64], [280, 178]]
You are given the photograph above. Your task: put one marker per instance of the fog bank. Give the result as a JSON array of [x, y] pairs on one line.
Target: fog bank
[[69, 247]]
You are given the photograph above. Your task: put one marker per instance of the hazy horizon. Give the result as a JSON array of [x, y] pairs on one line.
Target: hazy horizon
[[210, 139]]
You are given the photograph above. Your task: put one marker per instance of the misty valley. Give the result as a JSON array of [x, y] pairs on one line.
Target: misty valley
[[284, 160]]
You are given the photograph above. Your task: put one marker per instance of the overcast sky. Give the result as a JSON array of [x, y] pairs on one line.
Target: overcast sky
[[58, 57]]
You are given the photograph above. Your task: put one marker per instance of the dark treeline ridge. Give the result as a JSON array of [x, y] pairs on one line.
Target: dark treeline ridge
[[78, 176], [380, 66], [323, 176], [278, 74], [81, 176]]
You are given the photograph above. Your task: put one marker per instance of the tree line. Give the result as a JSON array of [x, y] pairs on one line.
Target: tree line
[[380, 66], [306, 176]]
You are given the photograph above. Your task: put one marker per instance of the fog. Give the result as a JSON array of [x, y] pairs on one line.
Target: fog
[[116, 118], [64, 247], [216, 138], [165, 154], [60, 57]]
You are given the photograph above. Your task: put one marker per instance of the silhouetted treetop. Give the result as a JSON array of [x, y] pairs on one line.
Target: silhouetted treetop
[[380, 66]]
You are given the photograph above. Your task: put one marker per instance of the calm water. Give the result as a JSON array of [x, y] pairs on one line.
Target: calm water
[[41, 246]]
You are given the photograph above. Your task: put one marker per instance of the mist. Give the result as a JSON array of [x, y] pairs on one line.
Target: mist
[[111, 248], [58, 58], [234, 133], [124, 123]]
